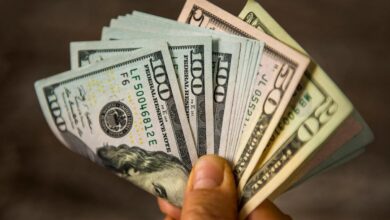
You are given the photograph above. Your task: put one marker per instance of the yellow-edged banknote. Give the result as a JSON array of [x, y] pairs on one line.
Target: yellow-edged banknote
[[320, 108]]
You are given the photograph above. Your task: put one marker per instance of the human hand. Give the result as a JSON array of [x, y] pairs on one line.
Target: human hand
[[211, 194]]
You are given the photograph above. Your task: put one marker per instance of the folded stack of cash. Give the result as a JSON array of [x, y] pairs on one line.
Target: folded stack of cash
[[155, 94]]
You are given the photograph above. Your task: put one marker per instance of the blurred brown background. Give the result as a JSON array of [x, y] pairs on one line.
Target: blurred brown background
[[41, 179]]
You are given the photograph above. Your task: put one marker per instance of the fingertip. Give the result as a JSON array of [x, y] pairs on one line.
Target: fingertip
[[267, 210], [168, 209], [211, 172], [169, 218]]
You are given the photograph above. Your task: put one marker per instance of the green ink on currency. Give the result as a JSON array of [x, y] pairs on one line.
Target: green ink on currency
[[143, 107]]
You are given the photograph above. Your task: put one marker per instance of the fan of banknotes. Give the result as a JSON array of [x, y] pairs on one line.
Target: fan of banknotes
[[154, 95]]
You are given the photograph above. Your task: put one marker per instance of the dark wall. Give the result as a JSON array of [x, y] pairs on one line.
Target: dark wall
[[40, 179]]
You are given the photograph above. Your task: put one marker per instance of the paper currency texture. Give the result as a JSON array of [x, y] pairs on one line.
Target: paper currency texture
[[280, 72], [126, 114]]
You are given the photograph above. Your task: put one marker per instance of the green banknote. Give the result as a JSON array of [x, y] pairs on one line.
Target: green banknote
[[250, 54], [191, 57], [223, 129], [126, 114]]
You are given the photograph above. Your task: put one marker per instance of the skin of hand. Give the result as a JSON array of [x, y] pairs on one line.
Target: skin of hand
[[211, 194]]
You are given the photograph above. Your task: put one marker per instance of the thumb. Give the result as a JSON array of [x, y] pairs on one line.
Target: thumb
[[211, 191]]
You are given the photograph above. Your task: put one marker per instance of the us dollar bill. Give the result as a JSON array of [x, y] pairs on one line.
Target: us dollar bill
[[242, 99], [302, 129], [85, 53], [245, 80], [191, 57], [126, 114], [348, 151], [222, 43], [280, 72], [328, 148], [336, 150], [225, 73], [225, 68]]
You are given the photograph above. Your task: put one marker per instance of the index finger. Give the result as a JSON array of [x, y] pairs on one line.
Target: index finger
[[169, 209]]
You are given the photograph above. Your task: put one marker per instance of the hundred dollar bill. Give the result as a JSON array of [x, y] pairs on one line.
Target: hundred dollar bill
[[150, 23], [280, 72], [243, 99], [85, 53], [126, 114], [227, 134], [302, 129], [191, 57], [245, 79], [121, 33], [225, 74]]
